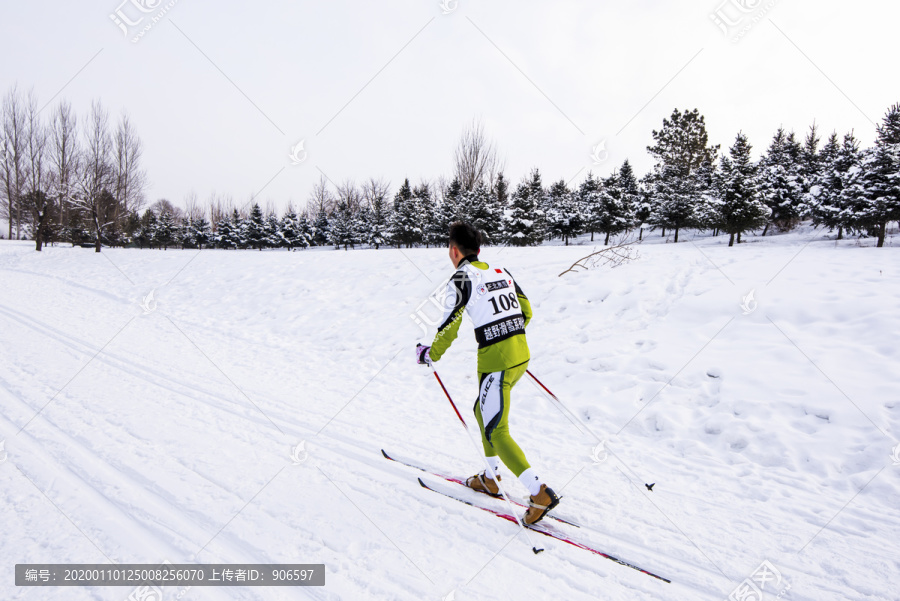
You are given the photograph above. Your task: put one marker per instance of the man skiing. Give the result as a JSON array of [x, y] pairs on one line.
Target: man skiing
[[500, 311]]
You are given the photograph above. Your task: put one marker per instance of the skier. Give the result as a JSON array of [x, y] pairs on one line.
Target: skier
[[500, 311]]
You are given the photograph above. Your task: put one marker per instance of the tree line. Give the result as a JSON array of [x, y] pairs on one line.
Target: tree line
[[65, 180], [92, 192]]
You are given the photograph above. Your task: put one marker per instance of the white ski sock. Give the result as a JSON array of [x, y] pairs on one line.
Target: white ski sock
[[494, 462], [531, 481]]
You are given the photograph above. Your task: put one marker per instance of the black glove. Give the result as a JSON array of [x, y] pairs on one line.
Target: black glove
[[423, 355]]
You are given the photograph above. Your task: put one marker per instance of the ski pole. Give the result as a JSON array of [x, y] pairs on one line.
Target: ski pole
[[542, 386], [649, 486], [566, 410], [489, 470]]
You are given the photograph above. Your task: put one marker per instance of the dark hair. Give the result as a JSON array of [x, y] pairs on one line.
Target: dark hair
[[465, 237]]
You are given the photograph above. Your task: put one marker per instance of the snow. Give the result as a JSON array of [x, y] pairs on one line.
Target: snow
[[162, 428]]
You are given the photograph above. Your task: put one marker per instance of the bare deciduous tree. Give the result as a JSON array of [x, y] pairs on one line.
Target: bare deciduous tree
[[320, 198], [349, 195], [164, 205], [63, 158], [476, 158], [12, 166], [36, 202], [130, 178], [97, 174], [221, 207], [375, 190]]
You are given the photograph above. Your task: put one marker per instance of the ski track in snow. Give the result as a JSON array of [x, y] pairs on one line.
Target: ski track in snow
[[178, 435]]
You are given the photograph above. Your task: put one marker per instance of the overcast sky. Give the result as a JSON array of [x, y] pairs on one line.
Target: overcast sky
[[220, 92]]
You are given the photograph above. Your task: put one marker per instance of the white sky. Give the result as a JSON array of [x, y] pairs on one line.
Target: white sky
[[221, 91]]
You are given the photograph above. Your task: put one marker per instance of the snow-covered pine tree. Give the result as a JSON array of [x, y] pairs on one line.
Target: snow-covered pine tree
[[165, 230], [742, 209], [289, 227], [359, 224], [629, 186], [304, 237], [147, 233], [254, 234], [446, 212], [377, 227], [878, 188], [681, 148], [185, 233], [478, 210], [781, 185], [340, 230], [320, 228], [615, 215], [823, 201], [538, 196], [675, 197], [518, 220], [810, 166], [644, 206], [499, 202], [708, 204], [274, 237], [201, 234], [425, 207], [589, 203], [564, 220], [405, 226]]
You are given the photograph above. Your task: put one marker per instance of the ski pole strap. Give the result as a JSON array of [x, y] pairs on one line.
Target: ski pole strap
[[434, 371]]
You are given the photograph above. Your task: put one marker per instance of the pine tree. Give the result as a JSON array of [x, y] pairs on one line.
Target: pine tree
[[615, 214], [425, 208], [564, 219], [519, 223], [499, 202], [359, 224], [320, 228], [165, 230], [201, 233], [304, 232], [742, 209], [823, 200], [228, 231], [445, 213], [290, 229], [781, 184], [589, 203], [406, 228], [644, 206], [810, 167], [377, 229], [255, 232], [675, 197], [479, 212], [147, 232], [707, 207], [878, 188], [538, 196], [681, 148], [185, 233], [340, 232], [273, 234]]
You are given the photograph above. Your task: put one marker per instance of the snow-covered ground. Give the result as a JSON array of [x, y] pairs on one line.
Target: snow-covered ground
[[143, 429]]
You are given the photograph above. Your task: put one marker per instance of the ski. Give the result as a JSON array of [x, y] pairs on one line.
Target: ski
[[455, 480], [544, 529]]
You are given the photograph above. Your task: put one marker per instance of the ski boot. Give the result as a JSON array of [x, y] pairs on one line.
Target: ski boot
[[540, 504], [482, 483]]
